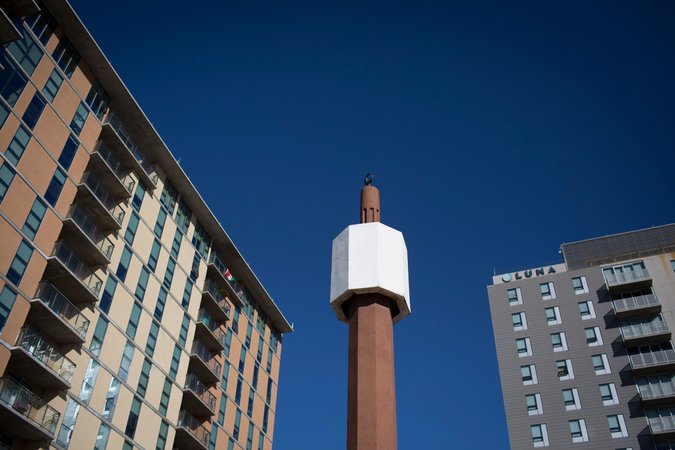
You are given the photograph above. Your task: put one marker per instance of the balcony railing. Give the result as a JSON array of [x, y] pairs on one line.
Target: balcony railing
[[35, 344], [117, 168], [212, 288], [77, 267], [662, 424], [58, 303], [117, 125], [625, 275], [642, 328], [195, 385], [653, 388], [237, 287], [636, 302], [102, 195], [194, 427], [653, 358], [206, 356], [29, 405], [91, 230]]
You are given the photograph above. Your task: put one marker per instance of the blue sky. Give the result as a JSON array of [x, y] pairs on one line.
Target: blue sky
[[496, 131]]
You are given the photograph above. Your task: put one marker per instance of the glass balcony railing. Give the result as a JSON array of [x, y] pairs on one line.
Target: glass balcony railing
[[649, 357], [661, 421], [102, 195], [237, 287], [29, 405], [206, 356], [195, 385], [117, 125], [655, 387], [212, 288], [58, 303], [640, 328], [644, 299], [77, 267], [35, 344], [90, 229], [194, 427], [212, 325], [626, 274], [117, 168]]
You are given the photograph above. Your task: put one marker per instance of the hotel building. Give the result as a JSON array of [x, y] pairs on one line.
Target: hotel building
[[128, 318], [585, 346]]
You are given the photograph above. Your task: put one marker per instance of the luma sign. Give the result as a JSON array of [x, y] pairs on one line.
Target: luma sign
[[507, 277]]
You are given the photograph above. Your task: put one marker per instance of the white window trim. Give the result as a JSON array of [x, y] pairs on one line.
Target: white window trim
[[591, 310], [615, 397], [570, 371], [624, 431], [584, 285], [558, 317], [598, 337], [577, 400], [528, 348], [519, 297], [605, 362], [551, 289], [544, 435], [563, 341], [523, 320], [584, 433], [540, 406], [533, 372]]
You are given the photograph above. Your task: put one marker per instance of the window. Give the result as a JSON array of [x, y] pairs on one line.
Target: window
[[69, 419], [237, 422], [43, 26], [221, 409], [539, 435], [578, 430], [249, 409], [617, 426], [20, 262], [111, 399], [52, 86], [601, 364], [515, 297], [175, 361], [201, 240], [183, 216], [161, 437], [265, 418], [89, 381], [142, 283], [18, 145], [254, 381], [228, 342], [249, 439], [34, 219], [169, 197], [249, 330], [586, 310], [559, 342], [214, 436], [182, 337], [235, 319], [242, 360], [26, 52], [187, 292], [194, 270], [672, 265], [99, 335], [132, 226], [12, 82], [6, 177], [98, 100], [547, 291], [571, 399], [261, 441], [144, 378], [564, 369], [593, 336], [152, 338], [237, 393], [34, 110], [553, 315], [528, 374], [125, 364], [166, 395], [524, 348], [154, 255], [175, 246], [133, 320], [260, 350], [108, 292], [55, 187], [608, 394], [579, 285], [269, 360], [7, 298], [533, 403], [132, 421], [124, 264], [268, 396], [138, 197], [159, 225], [102, 437], [159, 306], [66, 56], [226, 375], [168, 275], [68, 153]]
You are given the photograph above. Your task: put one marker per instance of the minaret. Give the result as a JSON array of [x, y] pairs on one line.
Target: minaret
[[369, 291]]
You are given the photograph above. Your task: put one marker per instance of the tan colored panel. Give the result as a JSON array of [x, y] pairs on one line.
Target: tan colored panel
[[51, 132], [85, 431], [18, 201], [122, 407], [48, 232], [33, 274], [66, 102], [147, 429], [16, 320], [24, 99], [8, 244], [4, 359], [79, 164], [80, 79], [42, 72], [90, 131], [66, 198], [37, 167], [7, 131]]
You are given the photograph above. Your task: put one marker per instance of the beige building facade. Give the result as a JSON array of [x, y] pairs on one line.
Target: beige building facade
[[128, 318]]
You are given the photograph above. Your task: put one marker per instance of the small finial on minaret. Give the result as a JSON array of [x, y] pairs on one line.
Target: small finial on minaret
[[370, 201]]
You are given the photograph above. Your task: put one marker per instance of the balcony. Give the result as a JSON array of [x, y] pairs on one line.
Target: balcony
[[209, 332], [115, 177], [197, 398], [39, 362], [656, 389], [190, 432], [657, 357], [84, 237], [215, 301], [661, 422], [71, 276], [644, 331], [218, 271], [627, 277], [95, 198], [641, 303], [203, 363], [24, 415], [119, 141], [51, 311]]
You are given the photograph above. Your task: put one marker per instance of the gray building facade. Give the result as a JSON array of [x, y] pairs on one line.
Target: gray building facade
[[584, 347]]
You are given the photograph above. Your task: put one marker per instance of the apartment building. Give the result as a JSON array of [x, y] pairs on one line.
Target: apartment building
[[585, 346], [128, 318]]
